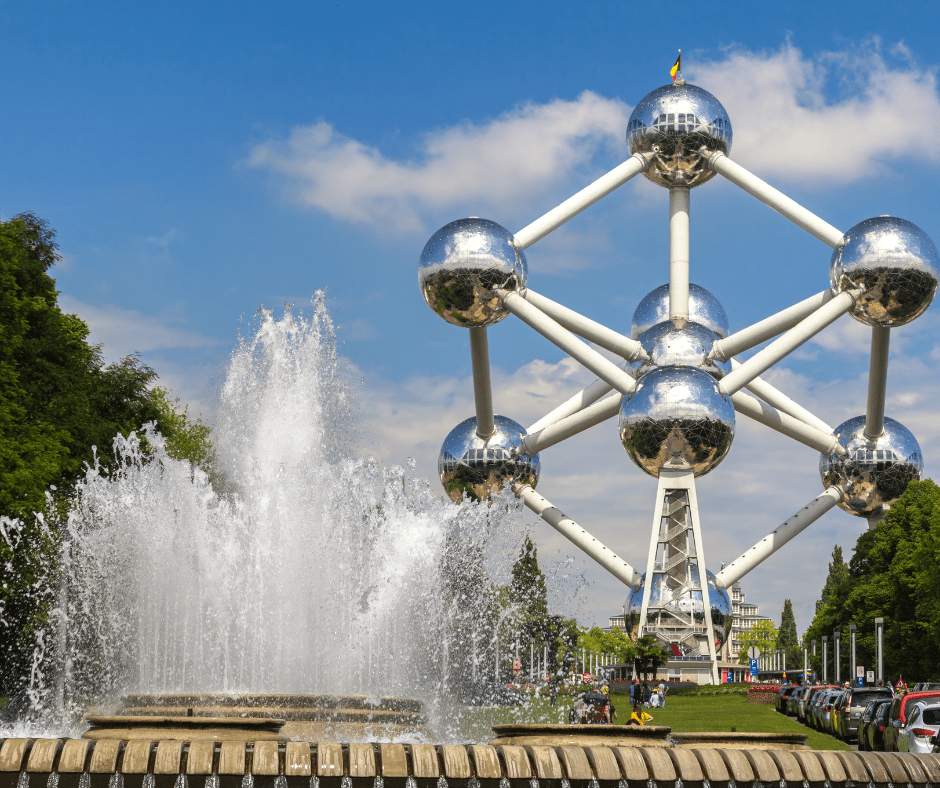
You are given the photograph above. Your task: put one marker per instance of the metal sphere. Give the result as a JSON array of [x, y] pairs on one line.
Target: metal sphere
[[682, 606], [875, 472], [479, 468], [461, 266], [704, 309], [675, 122], [894, 262], [680, 343], [676, 416]]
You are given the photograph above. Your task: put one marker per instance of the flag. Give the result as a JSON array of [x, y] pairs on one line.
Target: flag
[[676, 67]]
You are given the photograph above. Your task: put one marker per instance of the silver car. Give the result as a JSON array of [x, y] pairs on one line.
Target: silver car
[[923, 723]]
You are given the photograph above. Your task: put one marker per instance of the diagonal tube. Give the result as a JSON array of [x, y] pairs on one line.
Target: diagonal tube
[[877, 382], [586, 328], [777, 399], [482, 388], [584, 419], [769, 327], [781, 347], [577, 402], [776, 199], [568, 528], [825, 443], [604, 369], [585, 198], [771, 543]]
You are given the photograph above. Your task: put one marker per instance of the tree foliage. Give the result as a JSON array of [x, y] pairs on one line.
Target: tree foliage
[[788, 640], [61, 407], [893, 574], [763, 635], [649, 655]]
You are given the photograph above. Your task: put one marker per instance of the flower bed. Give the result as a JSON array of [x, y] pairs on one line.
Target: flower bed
[[762, 693]]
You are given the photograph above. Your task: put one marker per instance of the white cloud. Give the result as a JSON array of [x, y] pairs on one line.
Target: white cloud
[[123, 331], [835, 117], [485, 169]]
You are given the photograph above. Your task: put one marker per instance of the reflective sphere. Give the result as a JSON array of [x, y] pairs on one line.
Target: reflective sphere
[[685, 606], [896, 264], [676, 416], [874, 473], [461, 266], [704, 309], [675, 122], [479, 468], [679, 343]]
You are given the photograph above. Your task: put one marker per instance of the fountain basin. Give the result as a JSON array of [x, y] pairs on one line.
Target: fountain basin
[[654, 736], [155, 727]]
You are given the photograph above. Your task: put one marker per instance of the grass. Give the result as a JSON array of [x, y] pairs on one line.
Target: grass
[[705, 709]]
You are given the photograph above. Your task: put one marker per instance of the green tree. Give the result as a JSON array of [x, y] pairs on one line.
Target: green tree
[[649, 655], [787, 639], [186, 438], [838, 574], [528, 599], [763, 635]]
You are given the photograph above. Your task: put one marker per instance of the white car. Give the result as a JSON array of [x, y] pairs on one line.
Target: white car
[[923, 723]]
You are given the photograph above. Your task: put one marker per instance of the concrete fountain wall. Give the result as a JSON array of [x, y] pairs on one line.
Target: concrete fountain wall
[[81, 763]]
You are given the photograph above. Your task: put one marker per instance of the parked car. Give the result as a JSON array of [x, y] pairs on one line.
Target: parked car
[[814, 712], [867, 719], [875, 731], [806, 701], [786, 691], [897, 717], [827, 711], [793, 702], [923, 723], [850, 708], [926, 686]]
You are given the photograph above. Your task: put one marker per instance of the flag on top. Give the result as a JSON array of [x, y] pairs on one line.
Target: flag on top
[[676, 67]]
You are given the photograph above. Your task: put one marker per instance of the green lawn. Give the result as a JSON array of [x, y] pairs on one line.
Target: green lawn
[[705, 712]]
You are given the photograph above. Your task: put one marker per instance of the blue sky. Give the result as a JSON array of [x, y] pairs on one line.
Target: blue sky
[[198, 160]]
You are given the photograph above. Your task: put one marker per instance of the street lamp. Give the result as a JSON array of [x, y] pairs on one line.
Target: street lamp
[[825, 659], [880, 650], [805, 662], [852, 647], [837, 636]]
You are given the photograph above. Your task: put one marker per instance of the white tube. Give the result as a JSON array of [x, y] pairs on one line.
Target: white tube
[[773, 396], [679, 252], [769, 327], [578, 536], [771, 543], [781, 347], [786, 425], [587, 396], [568, 342], [586, 328], [584, 419], [877, 382], [482, 389], [585, 198], [767, 194]]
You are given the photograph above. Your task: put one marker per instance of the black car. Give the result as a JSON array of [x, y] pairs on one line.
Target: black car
[[875, 730], [784, 696], [851, 706]]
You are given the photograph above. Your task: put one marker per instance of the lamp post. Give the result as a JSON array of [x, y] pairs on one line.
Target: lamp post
[[805, 663], [852, 677], [880, 650], [837, 637], [825, 658]]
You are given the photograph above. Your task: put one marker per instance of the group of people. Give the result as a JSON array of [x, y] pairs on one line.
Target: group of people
[[595, 707], [648, 697]]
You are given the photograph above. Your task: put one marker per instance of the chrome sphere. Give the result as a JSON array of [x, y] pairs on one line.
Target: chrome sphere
[[461, 266], [680, 606], [894, 262], [675, 122], [479, 468], [874, 473], [704, 309], [676, 416], [680, 343]]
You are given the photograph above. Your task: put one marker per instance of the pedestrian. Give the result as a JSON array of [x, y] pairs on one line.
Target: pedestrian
[[662, 693], [647, 694], [639, 717], [553, 692], [633, 692]]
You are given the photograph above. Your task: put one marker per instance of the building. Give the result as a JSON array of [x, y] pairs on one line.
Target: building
[[744, 616]]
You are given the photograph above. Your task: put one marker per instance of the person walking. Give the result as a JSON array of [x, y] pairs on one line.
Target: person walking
[[553, 692], [639, 717], [662, 693]]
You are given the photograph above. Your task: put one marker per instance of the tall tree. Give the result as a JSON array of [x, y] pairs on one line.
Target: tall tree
[[648, 656], [528, 597], [787, 639], [763, 635], [838, 574]]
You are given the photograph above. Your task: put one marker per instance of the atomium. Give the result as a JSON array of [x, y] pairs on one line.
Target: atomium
[[461, 266], [477, 467], [894, 263], [675, 123], [676, 416], [704, 309], [676, 610], [875, 472], [680, 343]]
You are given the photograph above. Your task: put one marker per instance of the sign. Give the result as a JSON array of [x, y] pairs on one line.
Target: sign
[[870, 677], [587, 676], [860, 671], [753, 666], [517, 666], [753, 652]]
